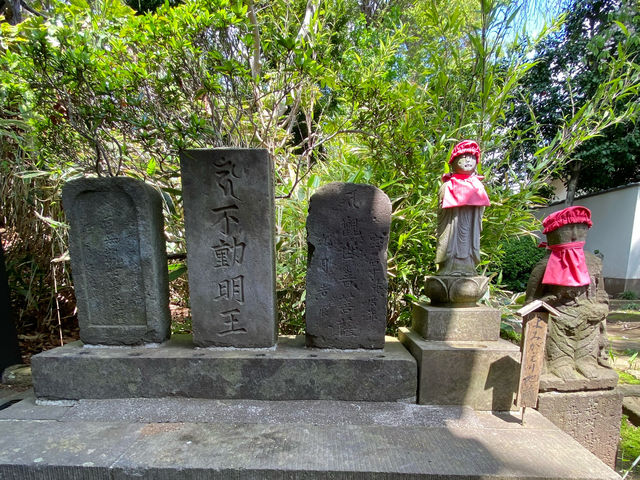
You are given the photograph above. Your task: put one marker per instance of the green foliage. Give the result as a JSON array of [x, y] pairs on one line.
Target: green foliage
[[509, 333], [628, 295], [519, 257], [627, 379], [582, 93], [334, 91], [629, 442]]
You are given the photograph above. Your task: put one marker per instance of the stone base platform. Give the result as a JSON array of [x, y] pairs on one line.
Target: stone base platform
[[482, 375], [189, 439], [592, 418], [290, 371]]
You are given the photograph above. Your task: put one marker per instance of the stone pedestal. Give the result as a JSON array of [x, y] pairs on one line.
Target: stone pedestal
[[443, 323], [290, 371], [481, 375], [591, 417], [461, 358]]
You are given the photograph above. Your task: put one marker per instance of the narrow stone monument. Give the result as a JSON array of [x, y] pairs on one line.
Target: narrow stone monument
[[347, 233], [229, 225], [118, 260], [461, 358], [9, 349], [577, 384]]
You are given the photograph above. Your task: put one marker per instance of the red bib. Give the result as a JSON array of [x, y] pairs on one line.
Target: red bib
[[567, 265], [461, 190]]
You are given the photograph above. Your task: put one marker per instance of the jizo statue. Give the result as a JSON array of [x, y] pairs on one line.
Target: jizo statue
[[570, 280], [462, 202]]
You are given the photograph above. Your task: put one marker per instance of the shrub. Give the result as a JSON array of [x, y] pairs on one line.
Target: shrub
[[520, 256], [628, 295]]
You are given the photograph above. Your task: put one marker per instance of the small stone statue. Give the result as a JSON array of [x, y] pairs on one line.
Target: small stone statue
[[462, 202], [570, 280]]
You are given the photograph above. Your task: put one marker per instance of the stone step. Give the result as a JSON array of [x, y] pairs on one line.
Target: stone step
[[247, 439]]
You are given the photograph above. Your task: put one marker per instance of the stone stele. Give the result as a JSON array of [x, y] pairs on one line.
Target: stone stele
[[347, 233], [118, 259], [229, 224]]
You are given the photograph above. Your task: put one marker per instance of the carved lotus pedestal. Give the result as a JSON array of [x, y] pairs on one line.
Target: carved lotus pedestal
[[455, 291], [461, 358]]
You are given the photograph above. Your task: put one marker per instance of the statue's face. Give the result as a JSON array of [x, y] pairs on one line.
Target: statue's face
[[465, 163], [573, 232]]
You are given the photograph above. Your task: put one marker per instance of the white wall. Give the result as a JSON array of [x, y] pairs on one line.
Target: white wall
[[633, 270], [616, 229]]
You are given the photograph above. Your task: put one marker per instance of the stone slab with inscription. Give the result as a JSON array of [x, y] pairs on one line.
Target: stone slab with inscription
[[118, 260], [229, 225], [347, 233], [592, 418], [176, 369]]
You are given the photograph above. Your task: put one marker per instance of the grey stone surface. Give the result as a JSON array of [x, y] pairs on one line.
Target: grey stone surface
[[26, 409], [471, 323], [592, 418], [318, 412], [288, 372], [482, 375], [52, 450], [347, 233], [118, 260], [631, 408], [291, 440], [230, 228], [629, 390], [607, 379]]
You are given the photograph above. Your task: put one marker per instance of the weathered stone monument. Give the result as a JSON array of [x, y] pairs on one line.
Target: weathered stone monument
[[339, 411], [229, 225], [577, 385], [118, 260], [461, 358], [229, 212], [347, 234], [9, 350]]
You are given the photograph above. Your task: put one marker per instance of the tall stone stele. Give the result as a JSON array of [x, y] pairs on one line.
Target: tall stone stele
[[230, 230], [577, 385], [347, 234], [118, 260]]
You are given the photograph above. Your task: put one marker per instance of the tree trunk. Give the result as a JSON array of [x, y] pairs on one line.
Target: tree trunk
[[16, 12], [572, 184]]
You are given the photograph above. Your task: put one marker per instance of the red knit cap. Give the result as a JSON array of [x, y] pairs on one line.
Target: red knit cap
[[565, 217], [466, 146]]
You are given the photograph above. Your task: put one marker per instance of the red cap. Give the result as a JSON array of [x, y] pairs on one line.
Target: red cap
[[466, 146], [565, 217]]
